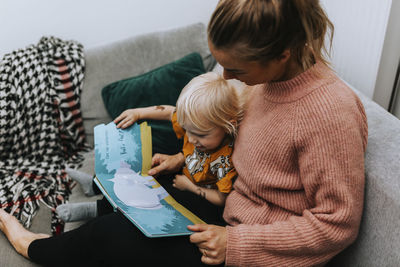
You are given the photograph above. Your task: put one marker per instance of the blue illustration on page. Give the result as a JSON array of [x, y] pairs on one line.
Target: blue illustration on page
[[118, 165]]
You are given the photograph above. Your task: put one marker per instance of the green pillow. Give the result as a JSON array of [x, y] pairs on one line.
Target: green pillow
[[160, 86]]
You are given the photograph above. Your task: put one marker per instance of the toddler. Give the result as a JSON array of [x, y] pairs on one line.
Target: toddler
[[206, 116]]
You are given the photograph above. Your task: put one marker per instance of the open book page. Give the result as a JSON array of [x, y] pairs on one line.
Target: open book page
[[122, 160]]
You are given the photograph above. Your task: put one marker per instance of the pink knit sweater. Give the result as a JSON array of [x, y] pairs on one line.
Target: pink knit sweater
[[300, 158]]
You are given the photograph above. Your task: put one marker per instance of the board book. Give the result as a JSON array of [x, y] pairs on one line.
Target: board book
[[122, 160]]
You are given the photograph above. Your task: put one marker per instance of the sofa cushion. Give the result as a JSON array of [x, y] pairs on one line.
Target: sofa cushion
[[160, 86]]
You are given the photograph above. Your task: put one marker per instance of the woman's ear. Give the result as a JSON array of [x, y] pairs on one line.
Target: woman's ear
[[284, 57]]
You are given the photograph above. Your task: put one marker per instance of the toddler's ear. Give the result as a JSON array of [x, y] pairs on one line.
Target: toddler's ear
[[235, 125], [234, 122]]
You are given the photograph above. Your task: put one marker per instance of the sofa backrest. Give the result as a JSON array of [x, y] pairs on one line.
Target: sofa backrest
[[131, 57], [379, 239]]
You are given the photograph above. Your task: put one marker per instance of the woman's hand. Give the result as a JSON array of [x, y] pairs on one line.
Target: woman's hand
[[211, 241], [127, 118], [183, 183], [163, 163]]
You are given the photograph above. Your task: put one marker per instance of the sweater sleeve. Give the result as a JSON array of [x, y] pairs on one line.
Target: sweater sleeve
[[179, 131], [330, 145]]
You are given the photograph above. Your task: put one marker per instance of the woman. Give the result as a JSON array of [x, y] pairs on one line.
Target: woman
[[299, 155]]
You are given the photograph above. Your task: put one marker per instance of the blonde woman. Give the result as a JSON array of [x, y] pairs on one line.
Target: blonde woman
[[299, 151]]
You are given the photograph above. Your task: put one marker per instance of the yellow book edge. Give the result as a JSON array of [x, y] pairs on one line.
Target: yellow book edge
[[145, 136]]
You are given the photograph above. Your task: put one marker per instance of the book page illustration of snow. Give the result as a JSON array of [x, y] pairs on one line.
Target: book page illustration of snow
[[135, 190]]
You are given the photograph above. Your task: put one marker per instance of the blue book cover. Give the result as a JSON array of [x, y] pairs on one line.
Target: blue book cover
[[122, 159]]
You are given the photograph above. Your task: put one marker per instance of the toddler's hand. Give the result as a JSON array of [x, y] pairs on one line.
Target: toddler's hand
[[183, 183], [127, 118]]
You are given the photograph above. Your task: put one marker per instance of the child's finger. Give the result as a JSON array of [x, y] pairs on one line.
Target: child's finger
[[126, 123], [120, 117], [118, 120], [121, 123]]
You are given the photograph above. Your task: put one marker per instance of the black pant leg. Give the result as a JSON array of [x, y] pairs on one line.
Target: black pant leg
[[95, 188], [68, 249], [103, 207], [112, 240]]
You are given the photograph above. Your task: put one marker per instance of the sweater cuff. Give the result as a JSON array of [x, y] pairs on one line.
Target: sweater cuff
[[232, 257]]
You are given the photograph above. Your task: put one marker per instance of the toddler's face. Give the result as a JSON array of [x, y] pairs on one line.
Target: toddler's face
[[205, 141]]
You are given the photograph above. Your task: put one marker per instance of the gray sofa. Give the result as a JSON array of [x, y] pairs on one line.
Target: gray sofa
[[378, 241]]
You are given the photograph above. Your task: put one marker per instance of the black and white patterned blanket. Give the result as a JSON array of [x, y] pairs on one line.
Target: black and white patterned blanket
[[41, 127]]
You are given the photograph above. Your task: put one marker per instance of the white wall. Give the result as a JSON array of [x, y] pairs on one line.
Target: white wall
[[93, 22], [360, 27], [387, 75]]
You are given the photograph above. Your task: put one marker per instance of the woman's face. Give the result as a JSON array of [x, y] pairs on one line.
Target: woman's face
[[250, 72]]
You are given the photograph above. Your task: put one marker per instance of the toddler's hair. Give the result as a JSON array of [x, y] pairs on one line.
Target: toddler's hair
[[209, 101], [261, 30]]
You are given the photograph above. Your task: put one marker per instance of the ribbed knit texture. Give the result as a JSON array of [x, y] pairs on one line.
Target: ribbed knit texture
[[300, 158]]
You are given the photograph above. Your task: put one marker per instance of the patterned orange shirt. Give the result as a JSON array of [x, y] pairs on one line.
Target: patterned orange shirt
[[213, 170]]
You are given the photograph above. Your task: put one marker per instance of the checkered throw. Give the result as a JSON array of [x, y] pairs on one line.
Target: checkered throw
[[41, 127]]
